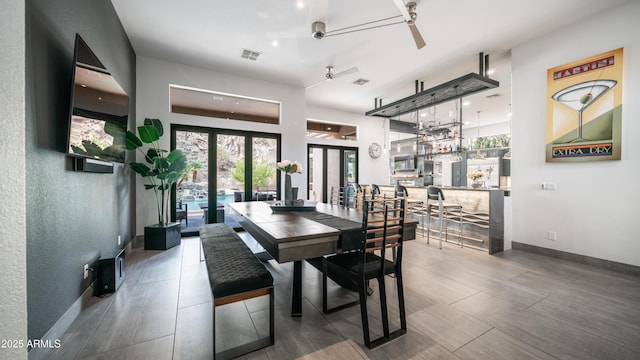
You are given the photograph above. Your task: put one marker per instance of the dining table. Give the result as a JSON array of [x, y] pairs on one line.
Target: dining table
[[313, 231]]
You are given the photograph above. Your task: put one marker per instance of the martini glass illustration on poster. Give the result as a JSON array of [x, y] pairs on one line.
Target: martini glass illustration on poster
[[580, 96]]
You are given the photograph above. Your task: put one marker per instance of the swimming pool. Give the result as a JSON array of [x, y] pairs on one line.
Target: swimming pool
[[193, 204]]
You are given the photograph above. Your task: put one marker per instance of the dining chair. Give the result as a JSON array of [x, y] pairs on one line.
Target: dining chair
[[381, 231], [444, 211], [353, 194], [181, 212], [336, 196]]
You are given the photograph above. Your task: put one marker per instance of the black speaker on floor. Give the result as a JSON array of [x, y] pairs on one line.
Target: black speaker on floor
[[110, 273]]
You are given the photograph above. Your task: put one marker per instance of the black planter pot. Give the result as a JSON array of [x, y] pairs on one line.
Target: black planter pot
[[161, 237]]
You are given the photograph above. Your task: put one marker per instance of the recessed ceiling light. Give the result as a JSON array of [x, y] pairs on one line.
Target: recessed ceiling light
[[84, 85], [466, 103], [300, 4], [274, 43], [423, 115], [328, 127]]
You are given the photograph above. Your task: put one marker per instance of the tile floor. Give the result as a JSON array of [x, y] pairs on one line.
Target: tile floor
[[461, 304]]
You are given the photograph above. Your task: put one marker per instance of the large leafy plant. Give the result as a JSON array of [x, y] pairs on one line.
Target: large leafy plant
[[161, 168]]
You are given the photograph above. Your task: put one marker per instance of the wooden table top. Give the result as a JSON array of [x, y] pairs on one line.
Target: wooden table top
[[282, 226]]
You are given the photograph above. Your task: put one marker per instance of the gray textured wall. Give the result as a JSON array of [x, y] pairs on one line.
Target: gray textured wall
[[72, 218], [13, 297]]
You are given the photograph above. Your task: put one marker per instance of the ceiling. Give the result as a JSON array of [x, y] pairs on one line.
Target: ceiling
[[212, 35]]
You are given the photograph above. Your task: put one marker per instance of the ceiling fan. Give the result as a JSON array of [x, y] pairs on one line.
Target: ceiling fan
[[330, 75], [408, 12]]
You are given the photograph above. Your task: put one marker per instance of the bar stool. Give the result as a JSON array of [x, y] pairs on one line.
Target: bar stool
[[444, 211], [413, 206]]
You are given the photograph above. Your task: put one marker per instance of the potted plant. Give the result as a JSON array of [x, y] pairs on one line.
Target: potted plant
[[161, 170]]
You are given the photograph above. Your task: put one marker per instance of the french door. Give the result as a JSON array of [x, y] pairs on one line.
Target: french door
[[223, 166], [330, 166]]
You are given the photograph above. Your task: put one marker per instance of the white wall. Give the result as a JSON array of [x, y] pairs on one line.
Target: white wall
[[595, 209], [13, 238], [153, 80], [370, 129]]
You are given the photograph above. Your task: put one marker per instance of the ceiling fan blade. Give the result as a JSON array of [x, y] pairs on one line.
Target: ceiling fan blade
[[315, 84], [403, 9], [346, 72], [416, 36]]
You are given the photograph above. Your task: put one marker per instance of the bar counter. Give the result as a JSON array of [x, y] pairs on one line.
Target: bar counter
[[482, 214]]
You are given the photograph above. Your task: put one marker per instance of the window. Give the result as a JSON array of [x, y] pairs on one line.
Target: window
[[213, 104], [325, 130]]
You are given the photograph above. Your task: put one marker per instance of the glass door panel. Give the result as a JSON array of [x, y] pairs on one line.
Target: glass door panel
[[316, 181], [192, 188], [230, 170], [264, 155], [334, 176], [351, 166]]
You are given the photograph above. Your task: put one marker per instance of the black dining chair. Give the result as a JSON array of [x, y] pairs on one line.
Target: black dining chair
[[381, 230]]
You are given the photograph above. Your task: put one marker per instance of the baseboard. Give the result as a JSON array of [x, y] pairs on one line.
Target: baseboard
[[582, 259], [58, 329]]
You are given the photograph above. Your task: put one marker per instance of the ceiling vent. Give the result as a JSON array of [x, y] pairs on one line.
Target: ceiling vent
[[361, 81], [250, 54], [492, 96]]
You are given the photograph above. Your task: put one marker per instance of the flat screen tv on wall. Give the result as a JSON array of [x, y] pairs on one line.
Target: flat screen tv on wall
[[99, 109]]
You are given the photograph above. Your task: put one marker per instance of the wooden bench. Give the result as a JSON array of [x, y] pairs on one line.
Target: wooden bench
[[235, 274]]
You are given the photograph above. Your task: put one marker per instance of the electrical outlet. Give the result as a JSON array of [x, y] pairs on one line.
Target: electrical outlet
[[119, 240], [86, 271], [549, 186], [551, 235]]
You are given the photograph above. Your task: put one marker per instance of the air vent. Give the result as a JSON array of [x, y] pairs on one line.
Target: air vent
[[361, 81], [492, 96], [250, 54]]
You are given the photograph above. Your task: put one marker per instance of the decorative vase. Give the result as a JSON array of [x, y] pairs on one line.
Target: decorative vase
[[476, 184], [288, 193]]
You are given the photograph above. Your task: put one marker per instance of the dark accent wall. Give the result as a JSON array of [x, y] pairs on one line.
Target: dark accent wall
[[72, 217]]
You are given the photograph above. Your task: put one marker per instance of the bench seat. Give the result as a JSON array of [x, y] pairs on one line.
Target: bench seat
[[235, 274]]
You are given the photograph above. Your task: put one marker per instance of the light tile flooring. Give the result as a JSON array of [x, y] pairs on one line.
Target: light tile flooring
[[461, 304]]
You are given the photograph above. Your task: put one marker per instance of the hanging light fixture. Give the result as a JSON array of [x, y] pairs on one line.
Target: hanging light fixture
[[415, 144], [385, 130], [479, 155]]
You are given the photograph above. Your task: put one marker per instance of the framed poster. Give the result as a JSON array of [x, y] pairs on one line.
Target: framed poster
[[584, 109]]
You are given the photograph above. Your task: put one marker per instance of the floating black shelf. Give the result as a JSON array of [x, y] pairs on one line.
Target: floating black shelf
[[451, 90]]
